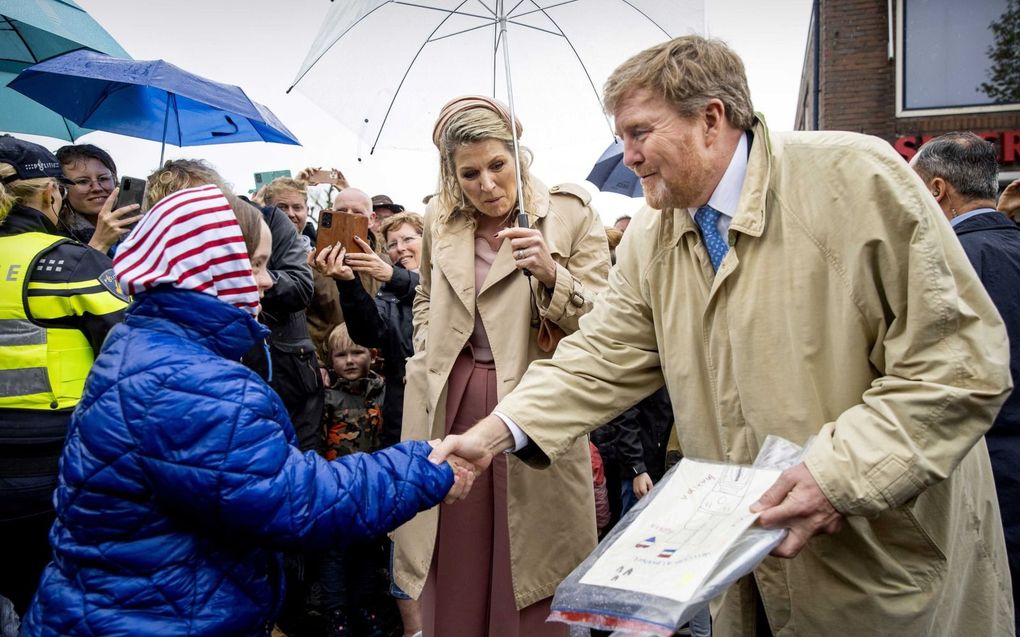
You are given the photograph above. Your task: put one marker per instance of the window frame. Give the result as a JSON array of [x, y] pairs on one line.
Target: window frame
[[901, 111]]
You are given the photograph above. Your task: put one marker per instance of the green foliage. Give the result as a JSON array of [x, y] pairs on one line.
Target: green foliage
[[1004, 74]]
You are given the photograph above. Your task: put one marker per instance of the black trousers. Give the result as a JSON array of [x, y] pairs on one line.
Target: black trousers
[[26, 516]]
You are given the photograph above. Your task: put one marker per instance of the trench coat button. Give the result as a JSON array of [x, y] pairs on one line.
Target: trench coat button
[[554, 189]]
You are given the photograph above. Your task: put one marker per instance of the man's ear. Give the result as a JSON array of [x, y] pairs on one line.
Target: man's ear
[[939, 188], [714, 115]]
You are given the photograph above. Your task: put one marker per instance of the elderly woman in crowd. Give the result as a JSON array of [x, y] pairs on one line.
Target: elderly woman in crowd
[[489, 566], [88, 215], [180, 481]]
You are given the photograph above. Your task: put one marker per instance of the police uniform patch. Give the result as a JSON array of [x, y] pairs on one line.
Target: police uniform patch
[[109, 281]]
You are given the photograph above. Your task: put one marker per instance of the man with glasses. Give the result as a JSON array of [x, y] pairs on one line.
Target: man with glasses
[[87, 214]]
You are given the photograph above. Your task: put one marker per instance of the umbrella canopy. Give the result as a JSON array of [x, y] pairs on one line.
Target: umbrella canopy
[[384, 68], [32, 31], [149, 99], [610, 174]]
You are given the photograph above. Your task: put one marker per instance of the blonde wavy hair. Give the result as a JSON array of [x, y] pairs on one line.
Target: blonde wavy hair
[[465, 128], [280, 185], [409, 218], [178, 174], [18, 191]]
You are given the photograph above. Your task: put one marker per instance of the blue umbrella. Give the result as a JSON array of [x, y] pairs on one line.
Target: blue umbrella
[[32, 31], [152, 100], [610, 174]]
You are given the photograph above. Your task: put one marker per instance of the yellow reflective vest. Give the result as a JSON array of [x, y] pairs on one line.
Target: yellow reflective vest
[[40, 367]]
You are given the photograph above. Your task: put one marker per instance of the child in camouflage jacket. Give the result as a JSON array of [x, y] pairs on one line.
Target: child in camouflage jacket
[[352, 414], [353, 578]]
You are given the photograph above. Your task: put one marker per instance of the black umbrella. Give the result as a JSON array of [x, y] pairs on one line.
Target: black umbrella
[[610, 174]]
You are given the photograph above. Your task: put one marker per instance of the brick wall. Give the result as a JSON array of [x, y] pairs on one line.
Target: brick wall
[[858, 82], [857, 79]]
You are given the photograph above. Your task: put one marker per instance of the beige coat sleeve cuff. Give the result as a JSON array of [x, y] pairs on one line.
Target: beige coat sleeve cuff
[[567, 299]]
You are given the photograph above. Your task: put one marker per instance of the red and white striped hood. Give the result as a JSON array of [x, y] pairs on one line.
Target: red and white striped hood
[[190, 240]]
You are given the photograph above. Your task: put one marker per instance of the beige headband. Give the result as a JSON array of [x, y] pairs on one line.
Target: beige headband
[[465, 103]]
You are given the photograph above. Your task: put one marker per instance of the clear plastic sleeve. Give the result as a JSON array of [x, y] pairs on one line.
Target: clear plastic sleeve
[[628, 612]]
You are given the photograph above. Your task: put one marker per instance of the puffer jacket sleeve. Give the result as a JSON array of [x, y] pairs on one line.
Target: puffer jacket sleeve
[[226, 465]]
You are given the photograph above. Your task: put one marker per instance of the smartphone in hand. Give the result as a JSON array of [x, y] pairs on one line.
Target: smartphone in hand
[[334, 177], [343, 227], [132, 191]]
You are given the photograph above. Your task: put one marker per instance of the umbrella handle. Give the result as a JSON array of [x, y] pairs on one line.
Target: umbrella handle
[[522, 222]]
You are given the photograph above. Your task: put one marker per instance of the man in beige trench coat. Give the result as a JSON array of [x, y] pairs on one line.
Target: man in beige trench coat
[[795, 284]]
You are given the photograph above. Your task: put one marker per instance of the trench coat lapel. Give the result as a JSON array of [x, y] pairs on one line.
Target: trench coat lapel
[[502, 267], [454, 253]]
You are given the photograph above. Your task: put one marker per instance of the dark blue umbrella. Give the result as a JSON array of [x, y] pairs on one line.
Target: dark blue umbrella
[[32, 31], [610, 175], [150, 99]]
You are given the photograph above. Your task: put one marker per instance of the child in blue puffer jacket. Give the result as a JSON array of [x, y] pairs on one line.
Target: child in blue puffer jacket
[[180, 482]]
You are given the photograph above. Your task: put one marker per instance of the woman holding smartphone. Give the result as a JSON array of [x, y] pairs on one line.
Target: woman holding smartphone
[[88, 214]]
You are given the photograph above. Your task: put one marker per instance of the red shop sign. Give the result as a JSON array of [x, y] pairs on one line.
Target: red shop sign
[[1007, 141]]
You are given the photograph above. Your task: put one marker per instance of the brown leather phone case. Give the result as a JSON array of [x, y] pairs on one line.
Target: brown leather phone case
[[342, 227]]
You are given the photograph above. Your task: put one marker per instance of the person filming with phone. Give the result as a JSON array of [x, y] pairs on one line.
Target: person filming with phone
[[90, 213]]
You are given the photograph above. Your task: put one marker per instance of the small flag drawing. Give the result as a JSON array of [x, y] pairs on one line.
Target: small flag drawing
[[643, 544], [667, 553]]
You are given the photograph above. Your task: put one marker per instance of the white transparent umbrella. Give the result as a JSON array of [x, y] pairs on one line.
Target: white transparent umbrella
[[384, 68]]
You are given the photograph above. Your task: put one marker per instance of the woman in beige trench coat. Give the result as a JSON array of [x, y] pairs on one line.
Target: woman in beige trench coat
[[488, 566]]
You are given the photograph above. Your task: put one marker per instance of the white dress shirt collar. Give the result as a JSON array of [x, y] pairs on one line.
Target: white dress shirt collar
[[727, 194]]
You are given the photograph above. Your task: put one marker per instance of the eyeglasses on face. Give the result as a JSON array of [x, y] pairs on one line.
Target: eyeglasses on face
[[84, 184], [404, 241]]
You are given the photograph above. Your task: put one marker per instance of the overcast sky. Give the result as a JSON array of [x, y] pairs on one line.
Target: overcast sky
[[260, 44]]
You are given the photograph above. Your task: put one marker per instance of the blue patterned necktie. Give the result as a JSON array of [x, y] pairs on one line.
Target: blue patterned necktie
[[707, 219]]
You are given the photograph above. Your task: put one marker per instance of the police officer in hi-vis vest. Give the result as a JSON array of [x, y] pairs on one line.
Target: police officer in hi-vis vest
[[58, 300]]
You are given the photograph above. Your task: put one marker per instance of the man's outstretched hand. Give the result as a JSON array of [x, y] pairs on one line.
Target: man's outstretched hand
[[463, 477], [472, 451], [797, 503]]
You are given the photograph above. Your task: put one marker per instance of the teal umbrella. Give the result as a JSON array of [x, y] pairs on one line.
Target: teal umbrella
[[35, 30]]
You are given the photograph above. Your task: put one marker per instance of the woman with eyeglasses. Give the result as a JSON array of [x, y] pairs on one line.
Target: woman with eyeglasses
[[58, 300], [88, 215]]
